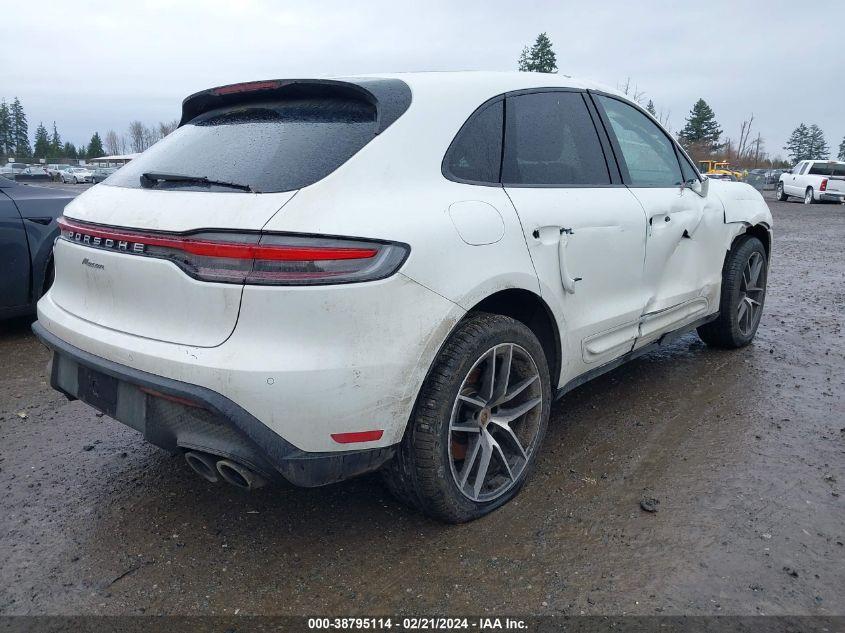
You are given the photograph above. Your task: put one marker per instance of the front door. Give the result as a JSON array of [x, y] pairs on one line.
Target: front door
[[585, 231], [678, 248]]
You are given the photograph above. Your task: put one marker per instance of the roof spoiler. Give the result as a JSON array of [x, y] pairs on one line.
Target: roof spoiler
[[389, 97]]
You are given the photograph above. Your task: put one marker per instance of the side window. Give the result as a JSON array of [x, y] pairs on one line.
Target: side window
[[687, 170], [648, 152], [550, 140], [804, 168], [476, 152]]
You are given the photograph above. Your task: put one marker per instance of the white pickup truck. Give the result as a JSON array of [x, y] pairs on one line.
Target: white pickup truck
[[814, 181]]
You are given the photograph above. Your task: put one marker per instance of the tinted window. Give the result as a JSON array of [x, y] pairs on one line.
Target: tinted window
[[278, 146], [648, 152], [476, 152], [804, 168], [827, 169], [550, 140]]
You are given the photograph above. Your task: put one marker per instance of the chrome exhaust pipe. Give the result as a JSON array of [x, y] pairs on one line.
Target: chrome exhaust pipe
[[239, 475], [202, 464]]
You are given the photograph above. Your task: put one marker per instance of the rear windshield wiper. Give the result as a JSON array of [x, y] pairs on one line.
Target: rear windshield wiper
[[150, 178]]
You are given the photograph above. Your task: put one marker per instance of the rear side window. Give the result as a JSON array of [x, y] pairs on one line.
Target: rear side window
[[648, 152], [269, 146], [827, 169], [550, 140], [476, 153]]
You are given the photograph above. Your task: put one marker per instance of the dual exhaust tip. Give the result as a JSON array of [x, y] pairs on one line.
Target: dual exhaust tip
[[212, 468]]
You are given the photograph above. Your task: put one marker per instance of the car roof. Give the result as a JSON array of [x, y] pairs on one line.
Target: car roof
[[489, 83]]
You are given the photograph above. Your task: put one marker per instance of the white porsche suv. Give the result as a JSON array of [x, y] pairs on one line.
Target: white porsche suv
[[313, 279]]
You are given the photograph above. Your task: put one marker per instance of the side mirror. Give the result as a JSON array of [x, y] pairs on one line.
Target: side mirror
[[701, 187]]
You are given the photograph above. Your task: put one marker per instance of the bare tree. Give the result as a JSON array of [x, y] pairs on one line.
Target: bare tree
[[137, 138], [633, 93], [112, 143], [166, 127], [151, 137]]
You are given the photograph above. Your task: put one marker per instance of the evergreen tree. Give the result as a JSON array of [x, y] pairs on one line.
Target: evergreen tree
[[701, 128], [539, 58], [818, 143], [841, 155], [20, 131], [95, 146], [5, 129], [42, 142], [81, 153], [798, 145], [56, 146], [650, 107], [69, 150]]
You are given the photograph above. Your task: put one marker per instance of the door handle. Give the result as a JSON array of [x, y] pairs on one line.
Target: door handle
[[566, 280]]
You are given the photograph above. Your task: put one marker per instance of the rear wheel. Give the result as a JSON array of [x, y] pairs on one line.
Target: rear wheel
[[744, 278], [808, 196], [781, 196], [479, 420]]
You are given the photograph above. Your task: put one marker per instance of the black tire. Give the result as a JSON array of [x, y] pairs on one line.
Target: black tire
[[779, 194], [727, 331], [421, 472], [809, 197]]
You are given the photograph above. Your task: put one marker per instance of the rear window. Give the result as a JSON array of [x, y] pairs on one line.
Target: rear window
[[820, 169], [828, 169], [267, 146]]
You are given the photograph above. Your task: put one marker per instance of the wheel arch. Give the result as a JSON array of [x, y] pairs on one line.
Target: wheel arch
[[762, 233], [528, 308]]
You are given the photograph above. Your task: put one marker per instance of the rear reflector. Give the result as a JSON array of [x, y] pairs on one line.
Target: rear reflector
[[252, 258], [360, 436]]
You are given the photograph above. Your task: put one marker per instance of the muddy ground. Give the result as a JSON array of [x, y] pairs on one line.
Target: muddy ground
[[744, 450]]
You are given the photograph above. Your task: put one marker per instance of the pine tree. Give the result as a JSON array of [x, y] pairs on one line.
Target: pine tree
[[798, 145], [95, 146], [81, 153], [841, 155], [701, 128], [650, 107], [539, 58], [20, 131], [56, 145], [42, 142], [69, 150], [5, 129], [818, 143]]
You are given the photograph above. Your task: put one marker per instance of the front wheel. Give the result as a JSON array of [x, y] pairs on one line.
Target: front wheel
[[781, 196], [479, 420], [808, 196], [744, 278]]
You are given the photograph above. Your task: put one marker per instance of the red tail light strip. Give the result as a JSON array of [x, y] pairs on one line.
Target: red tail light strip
[[230, 250], [360, 436]]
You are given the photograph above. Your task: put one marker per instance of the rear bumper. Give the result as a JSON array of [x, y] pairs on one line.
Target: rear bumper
[[831, 197], [176, 416]]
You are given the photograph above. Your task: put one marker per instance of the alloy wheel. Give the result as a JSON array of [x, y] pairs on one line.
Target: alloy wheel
[[495, 423], [752, 291], [808, 197]]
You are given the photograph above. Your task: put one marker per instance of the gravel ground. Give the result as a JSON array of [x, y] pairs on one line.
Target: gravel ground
[[743, 450]]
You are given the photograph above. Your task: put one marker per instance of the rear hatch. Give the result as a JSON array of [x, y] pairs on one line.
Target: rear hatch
[[150, 251]]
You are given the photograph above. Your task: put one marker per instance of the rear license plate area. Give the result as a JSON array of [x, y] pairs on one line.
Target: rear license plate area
[[97, 389]]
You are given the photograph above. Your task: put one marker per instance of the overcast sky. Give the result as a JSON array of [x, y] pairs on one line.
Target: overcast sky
[[97, 65]]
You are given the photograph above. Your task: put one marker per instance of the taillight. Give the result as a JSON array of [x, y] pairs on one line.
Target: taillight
[[823, 186], [251, 258]]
